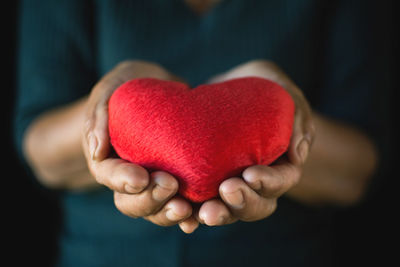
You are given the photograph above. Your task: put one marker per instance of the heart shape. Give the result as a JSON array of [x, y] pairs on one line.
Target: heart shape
[[204, 135]]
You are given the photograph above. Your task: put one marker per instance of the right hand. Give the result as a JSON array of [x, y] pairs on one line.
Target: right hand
[[137, 193]]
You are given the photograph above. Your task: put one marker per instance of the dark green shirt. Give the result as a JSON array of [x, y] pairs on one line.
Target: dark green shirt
[[66, 46]]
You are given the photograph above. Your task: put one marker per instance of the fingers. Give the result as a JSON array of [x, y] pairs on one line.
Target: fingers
[[302, 136], [96, 142], [303, 132], [174, 211], [163, 213], [189, 225], [151, 199], [157, 203], [95, 137], [214, 212], [272, 181], [243, 202], [120, 175], [136, 193], [252, 198]]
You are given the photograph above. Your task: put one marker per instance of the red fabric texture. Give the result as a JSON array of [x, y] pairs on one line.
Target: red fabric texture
[[203, 135]]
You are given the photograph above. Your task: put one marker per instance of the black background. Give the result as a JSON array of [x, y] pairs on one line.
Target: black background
[[365, 234]]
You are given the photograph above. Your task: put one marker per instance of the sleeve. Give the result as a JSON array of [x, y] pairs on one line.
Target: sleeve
[[55, 58], [351, 78]]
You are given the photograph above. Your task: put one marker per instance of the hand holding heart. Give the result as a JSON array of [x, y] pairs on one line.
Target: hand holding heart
[[138, 193]]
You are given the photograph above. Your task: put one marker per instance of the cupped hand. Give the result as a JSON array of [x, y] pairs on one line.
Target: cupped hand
[[137, 193], [254, 196]]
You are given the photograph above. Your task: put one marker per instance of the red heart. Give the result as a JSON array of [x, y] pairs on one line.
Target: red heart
[[201, 136]]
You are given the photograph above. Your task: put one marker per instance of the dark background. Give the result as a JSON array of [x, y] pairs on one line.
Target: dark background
[[364, 235]]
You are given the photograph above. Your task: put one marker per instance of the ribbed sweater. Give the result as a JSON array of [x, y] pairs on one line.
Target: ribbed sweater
[[66, 46]]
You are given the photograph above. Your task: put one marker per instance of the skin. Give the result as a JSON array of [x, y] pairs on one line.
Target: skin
[[75, 155]]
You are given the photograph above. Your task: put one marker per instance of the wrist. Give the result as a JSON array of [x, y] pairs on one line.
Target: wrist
[[52, 144]]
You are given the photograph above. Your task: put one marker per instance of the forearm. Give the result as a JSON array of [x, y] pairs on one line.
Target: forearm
[[339, 165], [52, 146]]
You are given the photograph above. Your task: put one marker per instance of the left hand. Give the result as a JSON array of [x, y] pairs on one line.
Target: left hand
[[137, 193], [254, 197]]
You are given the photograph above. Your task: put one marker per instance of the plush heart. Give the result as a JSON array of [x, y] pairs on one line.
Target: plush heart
[[202, 135]]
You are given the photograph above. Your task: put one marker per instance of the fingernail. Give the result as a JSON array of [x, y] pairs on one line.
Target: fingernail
[[235, 199], [302, 150], [92, 146], [172, 216]]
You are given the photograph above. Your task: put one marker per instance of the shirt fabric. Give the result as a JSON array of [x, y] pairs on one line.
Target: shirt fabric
[[66, 46]]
